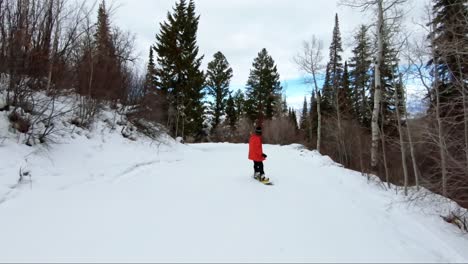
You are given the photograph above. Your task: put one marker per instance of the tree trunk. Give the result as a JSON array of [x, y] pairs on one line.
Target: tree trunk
[[340, 143], [378, 91], [311, 132], [319, 112], [402, 142], [54, 50], [465, 113], [413, 156], [319, 121], [411, 144], [440, 129], [384, 153], [441, 143]]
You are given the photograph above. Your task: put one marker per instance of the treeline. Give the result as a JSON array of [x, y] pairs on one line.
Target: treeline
[[62, 47], [53, 46], [356, 114], [198, 105], [359, 114]]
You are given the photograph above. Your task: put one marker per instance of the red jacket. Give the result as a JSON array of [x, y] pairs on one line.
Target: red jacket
[[255, 148]]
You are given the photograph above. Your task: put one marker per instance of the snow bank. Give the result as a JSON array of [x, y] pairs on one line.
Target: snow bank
[[95, 196]]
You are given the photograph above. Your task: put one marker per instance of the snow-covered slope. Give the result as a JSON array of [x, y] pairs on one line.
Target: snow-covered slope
[[98, 197]]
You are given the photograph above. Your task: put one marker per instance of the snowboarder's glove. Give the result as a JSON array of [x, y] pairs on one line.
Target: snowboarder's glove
[[264, 155]]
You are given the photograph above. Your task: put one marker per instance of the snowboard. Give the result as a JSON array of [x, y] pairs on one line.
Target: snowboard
[[268, 183]]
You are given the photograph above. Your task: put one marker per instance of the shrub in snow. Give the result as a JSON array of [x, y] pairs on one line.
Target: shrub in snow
[[458, 219], [180, 140], [24, 174], [3, 104], [150, 129], [19, 122], [129, 132], [122, 122]]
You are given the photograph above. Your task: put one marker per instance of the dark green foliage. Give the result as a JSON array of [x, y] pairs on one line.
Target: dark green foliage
[[179, 70], [313, 114], [106, 72], [284, 106], [263, 89], [451, 59], [151, 79], [239, 103], [304, 122], [293, 117], [218, 78], [334, 72], [360, 76], [231, 113], [390, 82], [345, 96]]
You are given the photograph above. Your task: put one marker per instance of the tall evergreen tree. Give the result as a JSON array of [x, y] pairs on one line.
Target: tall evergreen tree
[[263, 88], [313, 114], [346, 100], [179, 69], [333, 88], [231, 113], [293, 117], [239, 103], [360, 77], [107, 80], [304, 122], [284, 105], [218, 78], [450, 43], [334, 71], [390, 81], [151, 79]]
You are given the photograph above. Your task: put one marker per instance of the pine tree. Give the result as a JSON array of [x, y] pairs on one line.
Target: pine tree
[[346, 101], [293, 117], [390, 80], [218, 77], [360, 77], [239, 103], [179, 70], [450, 43], [313, 114], [231, 113], [263, 89], [304, 122], [107, 80], [449, 106], [151, 79], [153, 100], [334, 72], [332, 90], [284, 105]]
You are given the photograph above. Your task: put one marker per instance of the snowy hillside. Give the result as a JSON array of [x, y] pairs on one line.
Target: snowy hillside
[[97, 197]]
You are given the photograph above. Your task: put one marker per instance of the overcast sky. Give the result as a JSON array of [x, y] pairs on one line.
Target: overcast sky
[[241, 28]]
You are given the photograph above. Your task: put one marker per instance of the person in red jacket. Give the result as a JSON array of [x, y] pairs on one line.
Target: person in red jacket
[[256, 154]]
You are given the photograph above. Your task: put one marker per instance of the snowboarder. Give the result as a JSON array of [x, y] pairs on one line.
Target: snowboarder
[[256, 154]]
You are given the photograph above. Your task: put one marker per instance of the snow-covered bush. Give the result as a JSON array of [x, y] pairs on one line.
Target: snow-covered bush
[[20, 121], [129, 132], [3, 103]]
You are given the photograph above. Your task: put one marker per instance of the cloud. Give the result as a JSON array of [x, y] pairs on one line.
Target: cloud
[[241, 28]]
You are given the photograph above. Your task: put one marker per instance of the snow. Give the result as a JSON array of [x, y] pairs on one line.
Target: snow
[[107, 199], [94, 196]]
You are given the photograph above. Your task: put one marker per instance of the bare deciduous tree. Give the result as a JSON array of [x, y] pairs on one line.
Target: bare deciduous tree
[[309, 60], [385, 11]]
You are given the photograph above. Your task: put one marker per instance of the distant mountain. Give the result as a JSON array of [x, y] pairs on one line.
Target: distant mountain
[[416, 102]]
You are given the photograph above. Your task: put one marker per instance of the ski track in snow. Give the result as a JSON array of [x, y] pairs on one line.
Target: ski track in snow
[[106, 199]]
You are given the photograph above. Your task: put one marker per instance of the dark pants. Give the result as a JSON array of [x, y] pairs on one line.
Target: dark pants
[[258, 167]]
